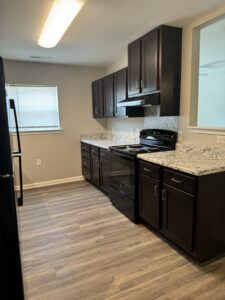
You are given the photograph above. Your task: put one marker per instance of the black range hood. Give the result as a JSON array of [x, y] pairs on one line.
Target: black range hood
[[143, 101]]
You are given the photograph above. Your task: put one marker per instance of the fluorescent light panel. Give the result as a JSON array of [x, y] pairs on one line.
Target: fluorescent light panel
[[59, 19]]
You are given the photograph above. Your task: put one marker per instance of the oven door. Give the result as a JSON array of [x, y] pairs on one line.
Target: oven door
[[122, 174]]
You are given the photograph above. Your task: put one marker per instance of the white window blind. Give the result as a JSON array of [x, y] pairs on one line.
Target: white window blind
[[37, 107]]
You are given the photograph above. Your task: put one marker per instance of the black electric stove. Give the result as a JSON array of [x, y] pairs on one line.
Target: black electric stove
[[151, 140], [124, 168]]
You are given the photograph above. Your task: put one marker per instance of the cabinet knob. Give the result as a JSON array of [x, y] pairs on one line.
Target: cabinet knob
[[156, 191]]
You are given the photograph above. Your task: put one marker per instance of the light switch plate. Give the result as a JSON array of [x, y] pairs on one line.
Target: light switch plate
[[39, 162]]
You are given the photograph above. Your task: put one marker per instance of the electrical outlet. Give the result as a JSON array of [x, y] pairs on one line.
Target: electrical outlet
[[221, 139], [39, 162]]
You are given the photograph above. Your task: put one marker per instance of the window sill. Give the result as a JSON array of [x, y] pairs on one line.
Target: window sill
[[203, 130], [39, 132]]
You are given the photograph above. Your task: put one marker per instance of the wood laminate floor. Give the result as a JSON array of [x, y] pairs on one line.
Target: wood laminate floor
[[76, 245]]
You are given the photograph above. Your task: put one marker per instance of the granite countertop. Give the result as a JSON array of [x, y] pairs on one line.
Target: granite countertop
[[197, 160], [107, 140]]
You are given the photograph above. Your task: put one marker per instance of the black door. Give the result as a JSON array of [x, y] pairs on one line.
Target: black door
[[104, 175], [108, 95], [95, 170], [97, 99], [149, 200], [149, 60], [11, 283], [134, 68], [178, 215], [120, 91]]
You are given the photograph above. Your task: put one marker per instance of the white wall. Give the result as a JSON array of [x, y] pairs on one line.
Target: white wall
[[60, 152]]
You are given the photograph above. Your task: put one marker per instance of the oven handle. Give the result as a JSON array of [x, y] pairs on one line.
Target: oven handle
[[123, 156]]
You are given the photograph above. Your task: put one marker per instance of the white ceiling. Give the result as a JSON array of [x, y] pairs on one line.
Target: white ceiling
[[99, 34]]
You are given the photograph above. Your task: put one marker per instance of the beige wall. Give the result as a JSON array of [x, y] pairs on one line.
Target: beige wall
[[186, 76], [60, 152]]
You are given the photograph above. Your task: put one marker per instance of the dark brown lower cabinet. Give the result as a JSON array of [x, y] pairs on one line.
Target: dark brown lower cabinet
[[95, 166], [149, 200], [95, 176], [104, 175], [86, 162], [189, 211], [178, 216]]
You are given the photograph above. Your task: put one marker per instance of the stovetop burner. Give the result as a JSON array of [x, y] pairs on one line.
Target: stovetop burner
[[151, 140], [135, 146], [120, 147], [136, 149]]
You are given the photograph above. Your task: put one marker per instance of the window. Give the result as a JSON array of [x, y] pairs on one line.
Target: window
[[209, 106], [37, 107]]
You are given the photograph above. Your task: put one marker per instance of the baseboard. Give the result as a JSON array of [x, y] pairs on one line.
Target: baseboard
[[50, 183]]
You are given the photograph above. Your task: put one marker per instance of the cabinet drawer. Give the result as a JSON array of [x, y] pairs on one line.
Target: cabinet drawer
[[86, 173], [86, 162], [85, 147], [94, 150], [104, 153], [150, 169], [183, 182]]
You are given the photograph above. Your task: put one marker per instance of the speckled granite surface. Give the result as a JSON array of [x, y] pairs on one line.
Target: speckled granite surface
[[193, 159], [105, 140]]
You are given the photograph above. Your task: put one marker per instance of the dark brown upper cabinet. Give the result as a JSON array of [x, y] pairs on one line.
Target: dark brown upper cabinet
[[134, 68], [150, 62], [154, 66], [120, 91], [97, 98], [108, 95]]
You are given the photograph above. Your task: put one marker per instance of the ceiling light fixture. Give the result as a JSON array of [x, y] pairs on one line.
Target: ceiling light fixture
[[61, 15]]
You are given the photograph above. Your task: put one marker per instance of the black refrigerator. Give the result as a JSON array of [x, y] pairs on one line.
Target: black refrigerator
[[11, 281]]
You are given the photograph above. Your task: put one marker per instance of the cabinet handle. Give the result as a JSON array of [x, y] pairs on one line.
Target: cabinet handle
[[164, 194], [136, 83], [147, 170], [142, 83], [96, 110], [156, 191], [175, 180]]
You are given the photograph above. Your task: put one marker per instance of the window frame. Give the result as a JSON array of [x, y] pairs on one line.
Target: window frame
[[45, 130], [195, 55]]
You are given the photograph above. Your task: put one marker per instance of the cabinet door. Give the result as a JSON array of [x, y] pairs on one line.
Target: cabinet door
[[108, 96], [104, 175], [120, 91], [97, 98], [149, 62], [134, 67], [149, 200], [95, 169], [178, 215]]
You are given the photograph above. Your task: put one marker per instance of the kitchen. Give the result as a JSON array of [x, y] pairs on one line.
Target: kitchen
[[75, 242]]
